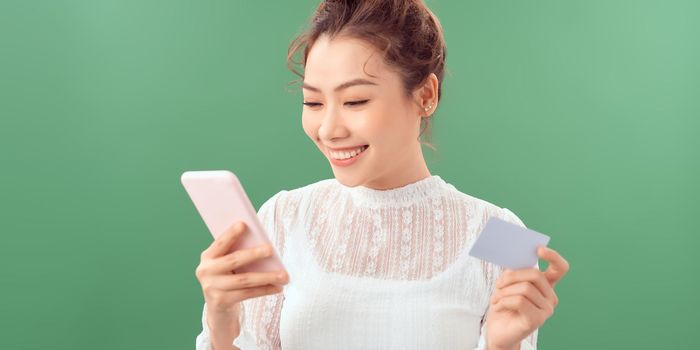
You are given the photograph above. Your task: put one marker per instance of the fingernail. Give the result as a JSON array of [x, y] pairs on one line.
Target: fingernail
[[281, 276]]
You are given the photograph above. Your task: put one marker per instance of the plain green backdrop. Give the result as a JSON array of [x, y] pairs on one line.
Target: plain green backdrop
[[581, 117]]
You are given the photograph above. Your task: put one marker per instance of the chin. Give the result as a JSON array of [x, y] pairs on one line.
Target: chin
[[345, 179]]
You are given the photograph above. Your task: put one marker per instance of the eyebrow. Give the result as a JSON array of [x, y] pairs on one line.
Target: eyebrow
[[345, 85]]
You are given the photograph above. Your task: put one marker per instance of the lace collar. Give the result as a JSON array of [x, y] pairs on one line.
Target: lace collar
[[399, 196]]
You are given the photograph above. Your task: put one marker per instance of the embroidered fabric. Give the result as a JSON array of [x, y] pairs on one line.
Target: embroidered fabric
[[374, 269]]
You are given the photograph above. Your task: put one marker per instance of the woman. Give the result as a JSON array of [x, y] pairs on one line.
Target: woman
[[376, 256]]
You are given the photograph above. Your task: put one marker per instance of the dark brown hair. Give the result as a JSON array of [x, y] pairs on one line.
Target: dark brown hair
[[407, 33]]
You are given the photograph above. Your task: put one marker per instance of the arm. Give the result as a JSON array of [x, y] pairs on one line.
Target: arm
[[259, 327], [260, 317], [217, 333], [254, 324]]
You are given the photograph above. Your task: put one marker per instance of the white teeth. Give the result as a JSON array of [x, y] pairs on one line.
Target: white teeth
[[346, 155]]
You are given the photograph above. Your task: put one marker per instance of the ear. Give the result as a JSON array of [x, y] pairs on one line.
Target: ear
[[426, 95]]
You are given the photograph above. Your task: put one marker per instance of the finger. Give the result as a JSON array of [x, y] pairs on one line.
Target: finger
[[526, 289], [224, 242], [558, 266], [535, 276], [232, 261], [521, 305], [258, 291], [249, 280]]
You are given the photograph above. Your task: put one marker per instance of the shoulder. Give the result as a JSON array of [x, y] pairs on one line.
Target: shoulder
[[484, 207], [471, 200]]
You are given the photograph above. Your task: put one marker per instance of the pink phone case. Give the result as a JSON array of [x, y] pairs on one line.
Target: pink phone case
[[221, 201]]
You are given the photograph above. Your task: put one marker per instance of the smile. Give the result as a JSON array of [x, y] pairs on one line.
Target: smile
[[347, 154]]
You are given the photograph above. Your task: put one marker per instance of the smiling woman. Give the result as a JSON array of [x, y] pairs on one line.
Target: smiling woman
[[376, 256], [371, 82], [354, 98]]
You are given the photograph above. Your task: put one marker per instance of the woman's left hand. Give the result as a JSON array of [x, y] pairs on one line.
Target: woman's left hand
[[523, 299]]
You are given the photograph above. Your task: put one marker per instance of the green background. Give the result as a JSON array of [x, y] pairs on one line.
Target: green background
[[581, 117]]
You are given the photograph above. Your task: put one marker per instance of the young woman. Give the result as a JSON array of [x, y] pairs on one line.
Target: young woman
[[376, 256]]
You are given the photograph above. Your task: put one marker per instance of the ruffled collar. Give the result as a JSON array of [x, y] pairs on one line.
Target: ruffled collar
[[399, 196]]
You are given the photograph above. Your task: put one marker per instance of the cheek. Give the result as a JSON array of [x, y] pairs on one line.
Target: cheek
[[380, 120], [310, 126], [390, 126]]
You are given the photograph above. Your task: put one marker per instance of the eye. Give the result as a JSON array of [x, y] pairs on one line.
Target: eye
[[356, 103], [350, 103]]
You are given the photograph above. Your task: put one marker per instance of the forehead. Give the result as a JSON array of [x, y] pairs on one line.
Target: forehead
[[331, 61]]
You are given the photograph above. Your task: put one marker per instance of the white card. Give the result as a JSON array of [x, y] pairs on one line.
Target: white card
[[508, 245]]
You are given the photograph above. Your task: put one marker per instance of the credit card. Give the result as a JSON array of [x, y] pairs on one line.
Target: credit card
[[508, 245]]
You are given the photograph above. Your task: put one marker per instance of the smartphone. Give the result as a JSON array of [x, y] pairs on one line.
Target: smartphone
[[221, 201]]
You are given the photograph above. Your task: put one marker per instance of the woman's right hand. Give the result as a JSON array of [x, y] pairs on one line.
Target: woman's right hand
[[224, 290]]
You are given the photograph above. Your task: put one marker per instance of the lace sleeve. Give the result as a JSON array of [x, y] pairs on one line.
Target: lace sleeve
[[530, 342], [260, 316]]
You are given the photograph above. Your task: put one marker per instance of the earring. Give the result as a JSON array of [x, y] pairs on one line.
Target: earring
[[429, 107]]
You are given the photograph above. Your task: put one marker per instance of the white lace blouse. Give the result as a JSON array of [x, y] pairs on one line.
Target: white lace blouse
[[374, 269]]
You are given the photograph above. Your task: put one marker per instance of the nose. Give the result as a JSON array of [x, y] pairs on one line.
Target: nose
[[332, 125]]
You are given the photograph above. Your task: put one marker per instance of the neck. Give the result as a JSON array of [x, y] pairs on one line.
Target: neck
[[414, 170]]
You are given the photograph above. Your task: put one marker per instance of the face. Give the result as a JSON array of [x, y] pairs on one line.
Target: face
[[361, 119]]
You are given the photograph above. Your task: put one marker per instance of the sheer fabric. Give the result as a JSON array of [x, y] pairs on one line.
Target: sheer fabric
[[374, 269]]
